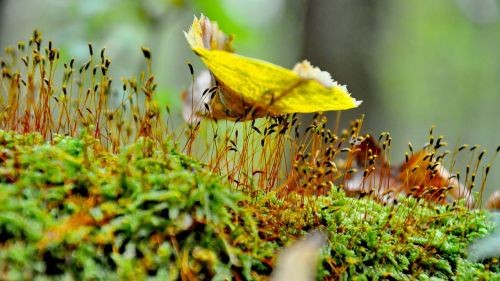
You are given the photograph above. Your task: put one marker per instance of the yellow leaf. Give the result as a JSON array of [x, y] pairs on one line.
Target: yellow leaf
[[251, 88], [278, 89]]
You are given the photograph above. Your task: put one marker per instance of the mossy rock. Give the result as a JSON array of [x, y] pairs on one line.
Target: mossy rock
[[71, 210]]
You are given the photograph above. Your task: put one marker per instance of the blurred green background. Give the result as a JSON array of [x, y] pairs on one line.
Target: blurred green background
[[414, 63]]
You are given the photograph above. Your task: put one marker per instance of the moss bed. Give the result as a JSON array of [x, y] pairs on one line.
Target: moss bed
[[70, 210]]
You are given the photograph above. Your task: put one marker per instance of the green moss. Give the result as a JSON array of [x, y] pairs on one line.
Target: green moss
[[71, 210]]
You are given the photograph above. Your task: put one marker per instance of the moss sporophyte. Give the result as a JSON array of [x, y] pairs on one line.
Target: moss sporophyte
[[102, 186]]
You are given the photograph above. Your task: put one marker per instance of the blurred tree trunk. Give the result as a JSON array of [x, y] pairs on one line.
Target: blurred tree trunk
[[2, 16], [338, 38]]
